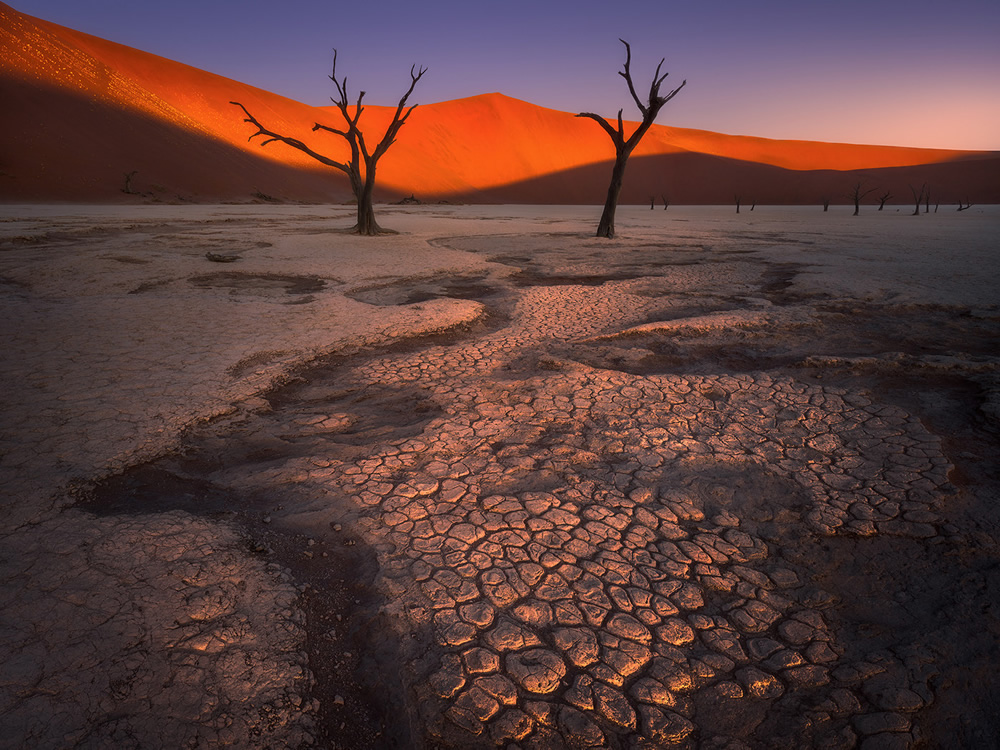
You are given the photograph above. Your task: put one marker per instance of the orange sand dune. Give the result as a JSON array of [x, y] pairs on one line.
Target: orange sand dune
[[81, 111]]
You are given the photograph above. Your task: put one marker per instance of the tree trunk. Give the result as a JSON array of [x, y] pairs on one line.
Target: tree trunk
[[366, 209], [366, 216], [364, 191], [606, 228]]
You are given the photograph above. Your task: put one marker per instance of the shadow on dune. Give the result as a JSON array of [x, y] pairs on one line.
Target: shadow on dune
[[63, 145], [703, 179], [67, 146]]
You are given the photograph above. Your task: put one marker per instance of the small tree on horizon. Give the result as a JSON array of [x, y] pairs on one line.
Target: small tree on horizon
[[857, 195], [360, 170], [624, 147], [883, 198], [918, 197]]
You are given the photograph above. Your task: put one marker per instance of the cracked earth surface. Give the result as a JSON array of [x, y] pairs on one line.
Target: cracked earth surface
[[656, 494]]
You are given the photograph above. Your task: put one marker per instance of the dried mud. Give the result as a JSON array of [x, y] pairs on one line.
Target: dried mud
[[640, 501]]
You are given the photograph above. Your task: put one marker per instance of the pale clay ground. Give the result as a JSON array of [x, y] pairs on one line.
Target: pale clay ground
[[576, 543]]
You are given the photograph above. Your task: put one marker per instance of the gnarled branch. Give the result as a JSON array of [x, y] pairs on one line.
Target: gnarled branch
[[615, 136], [649, 109], [626, 73], [400, 117], [362, 179], [293, 142], [624, 148]]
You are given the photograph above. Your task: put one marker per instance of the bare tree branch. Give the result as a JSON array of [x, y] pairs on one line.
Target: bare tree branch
[[615, 136], [623, 147], [294, 143], [360, 170], [400, 117], [627, 75]]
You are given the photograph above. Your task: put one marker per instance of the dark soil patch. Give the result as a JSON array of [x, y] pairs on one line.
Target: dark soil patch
[[351, 653], [261, 284], [930, 604], [778, 278], [410, 292]]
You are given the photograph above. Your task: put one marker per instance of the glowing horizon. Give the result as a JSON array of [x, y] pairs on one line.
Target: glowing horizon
[[900, 74]]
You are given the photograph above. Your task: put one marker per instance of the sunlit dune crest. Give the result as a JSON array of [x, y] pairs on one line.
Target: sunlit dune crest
[[81, 112]]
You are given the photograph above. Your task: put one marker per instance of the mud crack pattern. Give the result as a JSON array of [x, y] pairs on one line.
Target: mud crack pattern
[[596, 554]]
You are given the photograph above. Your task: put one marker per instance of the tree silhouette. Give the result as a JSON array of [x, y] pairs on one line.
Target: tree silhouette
[[918, 196], [883, 198], [360, 170], [129, 176], [624, 147], [857, 195]]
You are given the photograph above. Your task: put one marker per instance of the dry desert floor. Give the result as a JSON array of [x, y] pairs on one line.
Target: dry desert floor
[[726, 481]]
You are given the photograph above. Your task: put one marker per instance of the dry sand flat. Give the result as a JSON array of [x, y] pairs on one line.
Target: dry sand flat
[[727, 481]]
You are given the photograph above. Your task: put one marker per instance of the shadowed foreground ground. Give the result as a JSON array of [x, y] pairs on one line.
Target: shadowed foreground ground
[[723, 482]]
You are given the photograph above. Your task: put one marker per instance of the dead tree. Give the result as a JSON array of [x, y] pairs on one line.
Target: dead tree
[[360, 170], [666, 202], [652, 203], [964, 207], [857, 195], [826, 204], [917, 198], [129, 176], [883, 198], [927, 201], [623, 148], [737, 199]]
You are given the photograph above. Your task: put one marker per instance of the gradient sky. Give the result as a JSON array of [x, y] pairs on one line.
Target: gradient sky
[[898, 72]]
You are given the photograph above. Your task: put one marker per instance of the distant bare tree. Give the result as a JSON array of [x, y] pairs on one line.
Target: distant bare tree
[[652, 202], [918, 197], [927, 201], [623, 148], [360, 170], [129, 176], [883, 198], [753, 205], [857, 195], [666, 202], [826, 204], [738, 200], [964, 207]]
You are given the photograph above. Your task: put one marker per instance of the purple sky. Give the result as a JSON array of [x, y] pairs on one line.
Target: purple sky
[[899, 72]]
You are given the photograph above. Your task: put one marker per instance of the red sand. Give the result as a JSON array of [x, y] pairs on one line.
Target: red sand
[[80, 112]]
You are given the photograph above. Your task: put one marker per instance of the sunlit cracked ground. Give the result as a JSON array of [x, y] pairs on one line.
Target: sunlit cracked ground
[[727, 481]]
